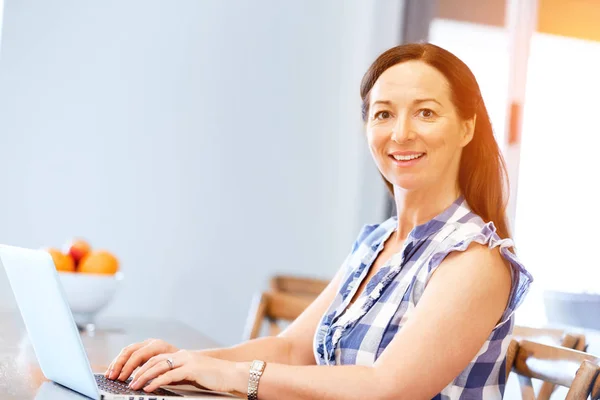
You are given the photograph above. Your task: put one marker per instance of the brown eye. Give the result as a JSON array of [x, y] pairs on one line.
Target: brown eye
[[382, 115], [426, 113]]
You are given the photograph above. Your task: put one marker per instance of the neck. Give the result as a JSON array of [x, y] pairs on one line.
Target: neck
[[419, 206]]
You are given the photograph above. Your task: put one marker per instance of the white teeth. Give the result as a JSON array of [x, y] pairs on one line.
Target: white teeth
[[407, 158]]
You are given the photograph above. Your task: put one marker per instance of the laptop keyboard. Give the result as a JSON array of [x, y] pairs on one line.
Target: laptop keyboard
[[118, 387]]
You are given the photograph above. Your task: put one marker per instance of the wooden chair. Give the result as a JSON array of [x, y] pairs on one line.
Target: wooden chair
[[555, 337], [288, 296], [273, 307], [302, 286], [558, 365], [562, 337], [596, 389]]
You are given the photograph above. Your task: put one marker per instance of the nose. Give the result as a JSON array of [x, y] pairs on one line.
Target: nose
[[401, 131]]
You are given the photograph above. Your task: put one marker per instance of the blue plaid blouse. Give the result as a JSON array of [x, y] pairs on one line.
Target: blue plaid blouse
[[361, 333]]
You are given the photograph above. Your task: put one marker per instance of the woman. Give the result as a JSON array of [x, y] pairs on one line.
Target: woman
[[423, 306]]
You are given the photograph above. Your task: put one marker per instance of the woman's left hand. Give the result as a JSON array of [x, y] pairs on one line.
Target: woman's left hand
[[190, 366]]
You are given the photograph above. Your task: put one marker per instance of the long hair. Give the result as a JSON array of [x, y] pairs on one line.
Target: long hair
[[482, 177]]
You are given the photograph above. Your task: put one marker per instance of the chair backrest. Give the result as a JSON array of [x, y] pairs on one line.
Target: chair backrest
[[273, 307], [288, 296], [557, 365], [555, 337], [565, 338], [298, 285]]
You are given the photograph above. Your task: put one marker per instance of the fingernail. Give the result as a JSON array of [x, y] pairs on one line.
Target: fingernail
[[133, 384], [110, 374]]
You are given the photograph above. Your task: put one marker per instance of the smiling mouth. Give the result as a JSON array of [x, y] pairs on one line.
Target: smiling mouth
[[410, 157]]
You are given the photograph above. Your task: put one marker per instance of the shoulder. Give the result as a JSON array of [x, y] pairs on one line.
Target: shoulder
[[475, 258], [481, 260], [471, 249], [479, 272], [471, 225]]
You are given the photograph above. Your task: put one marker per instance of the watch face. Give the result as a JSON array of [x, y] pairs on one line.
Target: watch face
[[257, 365]]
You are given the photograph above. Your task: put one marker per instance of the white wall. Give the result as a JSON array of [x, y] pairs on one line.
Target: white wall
[[1, 18], [208, 145]]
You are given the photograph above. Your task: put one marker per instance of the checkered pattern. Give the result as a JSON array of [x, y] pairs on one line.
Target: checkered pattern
[[360, 333]]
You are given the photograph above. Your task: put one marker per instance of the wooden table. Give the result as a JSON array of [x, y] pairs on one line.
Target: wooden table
[[21, 377]]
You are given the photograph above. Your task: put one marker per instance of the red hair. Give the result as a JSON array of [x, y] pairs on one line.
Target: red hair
[[482, 177]]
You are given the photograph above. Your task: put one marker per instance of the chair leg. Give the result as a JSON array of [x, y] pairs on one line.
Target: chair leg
[[546, 391], [526, 385], [511, 353]]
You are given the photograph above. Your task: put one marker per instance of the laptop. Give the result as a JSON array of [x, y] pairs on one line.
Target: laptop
[[53, 333]]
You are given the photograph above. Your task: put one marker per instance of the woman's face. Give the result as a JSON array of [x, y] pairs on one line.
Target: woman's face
[[414, 131]]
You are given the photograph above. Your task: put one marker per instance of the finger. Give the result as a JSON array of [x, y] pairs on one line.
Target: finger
[[157, 369], [115, 367], [149, 364], [174, 375], [137, 358], [110, 367]]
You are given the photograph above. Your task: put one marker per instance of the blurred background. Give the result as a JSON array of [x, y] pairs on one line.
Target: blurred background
[[211, 144]]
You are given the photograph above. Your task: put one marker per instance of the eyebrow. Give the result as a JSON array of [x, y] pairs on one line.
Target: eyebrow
[[417, 101], [382, 102]]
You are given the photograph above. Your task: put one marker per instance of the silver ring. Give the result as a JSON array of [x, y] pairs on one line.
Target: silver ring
[[170, 362]]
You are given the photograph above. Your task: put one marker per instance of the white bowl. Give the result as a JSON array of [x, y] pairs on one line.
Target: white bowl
[[87, 294]]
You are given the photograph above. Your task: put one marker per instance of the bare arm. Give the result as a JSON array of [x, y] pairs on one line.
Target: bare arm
[[292, 346], [466, 296], [270, 349]]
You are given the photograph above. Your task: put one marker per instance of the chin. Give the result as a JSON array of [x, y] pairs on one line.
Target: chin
[[408, 186], [408, 183]]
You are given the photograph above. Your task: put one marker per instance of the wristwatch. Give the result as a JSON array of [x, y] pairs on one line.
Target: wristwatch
[[256, 370]]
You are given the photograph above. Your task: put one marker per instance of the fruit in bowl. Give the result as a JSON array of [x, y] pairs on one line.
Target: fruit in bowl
[[77, 249], [98, 262], [63, 262], [89, 278]]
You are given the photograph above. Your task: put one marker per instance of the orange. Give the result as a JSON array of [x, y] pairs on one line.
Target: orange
[[62, 261], [98, 262]]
